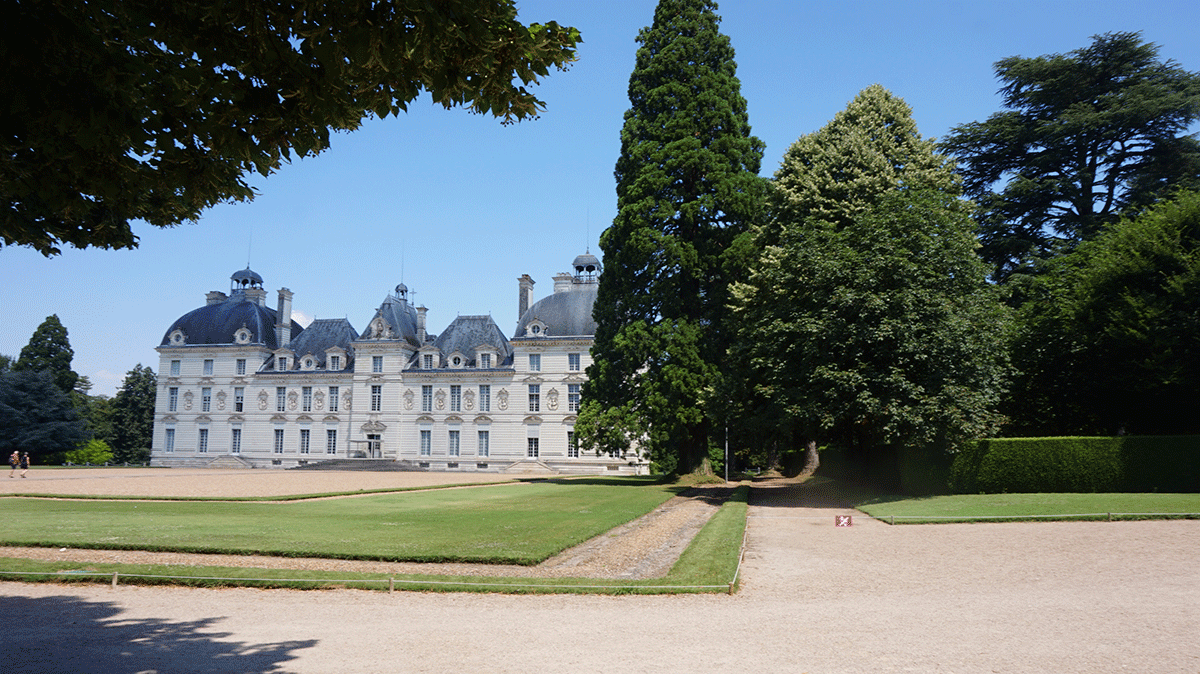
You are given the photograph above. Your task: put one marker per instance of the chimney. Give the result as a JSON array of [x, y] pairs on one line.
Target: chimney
[[421, 325], [526, 296], [257, 295], [283, 319], [216, 297], [562, 282]]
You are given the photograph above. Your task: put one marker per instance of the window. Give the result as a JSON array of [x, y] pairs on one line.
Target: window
[[169, 441], [376, 363], [280, 398], [331, 441], [485, 397], [279, 441], [573, 362], [426, 443], [427, 361], [206, 399], [172, 399], [572, 446], [174, 368], [485, 360], [283, 363], [306, 398], [376, 398], [235, 442], [531, 450], [535, 397], [208, 363], [455, 398], [572, 397], [335, 362], [427, 397], [333, 398], [239, 399], [482, 448], [305, 438], [453, 447], [202, 441], [241, 366], [535, 362]]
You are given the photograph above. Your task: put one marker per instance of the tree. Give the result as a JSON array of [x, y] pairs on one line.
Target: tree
[[36, 416], [1085, 136], [95, 452], [138, 109], [50, 351], [866, 319], [1110, 334], [686, 185], [133, 415]]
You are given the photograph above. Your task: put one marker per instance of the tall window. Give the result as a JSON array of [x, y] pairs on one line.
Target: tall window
[[202, 441], [376, 398], [535, 397], [455, 398], [305, 439], [331, 441], [241, 366], [572, 397], [172, 399], [206, 399], [376, 363], [169, 441], [482, 448], [235, 442], [283, 363], [239, 399], [573, 362], [485, 397], [306, 398], [572, 446], [208, 367], [335, 362], [531, 448], [485, 360], [427, 397], [174, 368], [426, 443], [279, 441], [453, 447], [427, 361], [535, 362], [280, 398], [333, 398]]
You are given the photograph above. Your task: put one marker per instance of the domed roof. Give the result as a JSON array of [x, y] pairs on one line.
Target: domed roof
[[220, 323], [563, 314]]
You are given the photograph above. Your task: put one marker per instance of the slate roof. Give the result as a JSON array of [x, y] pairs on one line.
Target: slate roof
[[565, 314], [322, 334], [468, 332], [400, 315], [216, 323]]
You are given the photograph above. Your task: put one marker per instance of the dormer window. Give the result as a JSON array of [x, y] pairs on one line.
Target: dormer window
[[335, 362], [283, 363], [176, 337], [537, 328], [485, 360], [242, 336], [309, 363], [427, 361]]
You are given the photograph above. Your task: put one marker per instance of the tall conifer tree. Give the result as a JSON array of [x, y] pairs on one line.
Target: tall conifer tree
[[49, 350], [687, 184]]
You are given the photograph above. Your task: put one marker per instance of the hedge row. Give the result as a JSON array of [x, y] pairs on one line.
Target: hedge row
[[1169, 464]]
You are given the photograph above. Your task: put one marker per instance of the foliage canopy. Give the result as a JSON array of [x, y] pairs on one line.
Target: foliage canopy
[[50, 351]]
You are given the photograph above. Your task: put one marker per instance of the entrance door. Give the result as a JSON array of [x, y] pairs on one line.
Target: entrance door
[[374, 446]]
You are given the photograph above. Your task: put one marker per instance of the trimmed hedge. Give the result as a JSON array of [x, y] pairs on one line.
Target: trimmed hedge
[[1079, 465]]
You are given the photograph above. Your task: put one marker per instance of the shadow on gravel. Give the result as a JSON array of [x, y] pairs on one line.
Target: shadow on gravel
[[816, 492], [67, 634]]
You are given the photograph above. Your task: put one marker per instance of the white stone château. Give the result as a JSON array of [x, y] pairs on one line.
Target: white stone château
[[241, 384]]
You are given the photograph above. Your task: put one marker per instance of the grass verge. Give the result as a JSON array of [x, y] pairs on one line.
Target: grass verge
[[1029, 507]]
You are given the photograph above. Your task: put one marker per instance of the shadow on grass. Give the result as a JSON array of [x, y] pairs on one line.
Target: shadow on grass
[[69, 634], [817, 492]]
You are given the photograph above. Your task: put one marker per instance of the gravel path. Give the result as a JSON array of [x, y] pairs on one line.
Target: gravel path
[[1062, 597]]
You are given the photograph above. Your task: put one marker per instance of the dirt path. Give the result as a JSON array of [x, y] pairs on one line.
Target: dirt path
[[1068, 597]]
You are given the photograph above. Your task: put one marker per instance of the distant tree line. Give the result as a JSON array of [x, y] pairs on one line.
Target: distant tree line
[[47, 409], [1033, 274]]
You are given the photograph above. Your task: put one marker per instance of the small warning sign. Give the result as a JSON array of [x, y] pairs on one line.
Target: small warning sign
[[842, 521]]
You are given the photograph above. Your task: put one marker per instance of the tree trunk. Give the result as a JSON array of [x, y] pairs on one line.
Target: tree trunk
[[812, 459]]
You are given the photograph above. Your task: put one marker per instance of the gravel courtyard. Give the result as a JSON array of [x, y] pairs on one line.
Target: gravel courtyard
[[1021, 597]]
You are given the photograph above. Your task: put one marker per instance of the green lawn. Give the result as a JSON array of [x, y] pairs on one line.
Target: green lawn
[[983, 507], [511, 524]]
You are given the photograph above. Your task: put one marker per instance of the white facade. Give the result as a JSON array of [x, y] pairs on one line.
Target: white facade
[[238, 386]]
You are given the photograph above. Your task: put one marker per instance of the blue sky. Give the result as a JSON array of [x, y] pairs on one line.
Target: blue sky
[[457, 206]]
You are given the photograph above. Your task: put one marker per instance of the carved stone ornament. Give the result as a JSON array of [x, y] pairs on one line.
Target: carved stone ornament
[[439, 401], [552, 397], [502, 399], [293, 400], [262, 399], [469, 399], [187, 400], [220, 400], [319, 400], [408, 399], [347, 401]]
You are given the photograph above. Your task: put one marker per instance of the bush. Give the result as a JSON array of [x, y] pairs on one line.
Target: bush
[[93, 451]]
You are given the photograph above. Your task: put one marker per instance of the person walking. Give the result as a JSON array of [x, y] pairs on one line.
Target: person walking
[[13, 461], [24, 464]]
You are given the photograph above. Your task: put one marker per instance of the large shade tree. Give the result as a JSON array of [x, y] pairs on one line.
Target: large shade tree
[[141, 109], [49, 350], [36, 416], [1085, 136], [687, 183], [133, 415]]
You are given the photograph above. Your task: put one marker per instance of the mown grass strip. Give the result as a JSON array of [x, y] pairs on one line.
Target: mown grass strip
[[1030, 507], [282, 498]]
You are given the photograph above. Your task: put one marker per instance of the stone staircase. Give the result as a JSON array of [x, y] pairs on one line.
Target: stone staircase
[[369, 465], [229, 461], [530, 467]]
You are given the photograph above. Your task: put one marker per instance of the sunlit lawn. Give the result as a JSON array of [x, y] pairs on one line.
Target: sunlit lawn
[[967, 507]]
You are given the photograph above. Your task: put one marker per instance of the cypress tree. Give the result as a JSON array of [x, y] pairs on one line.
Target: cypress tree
[[687, 184]]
